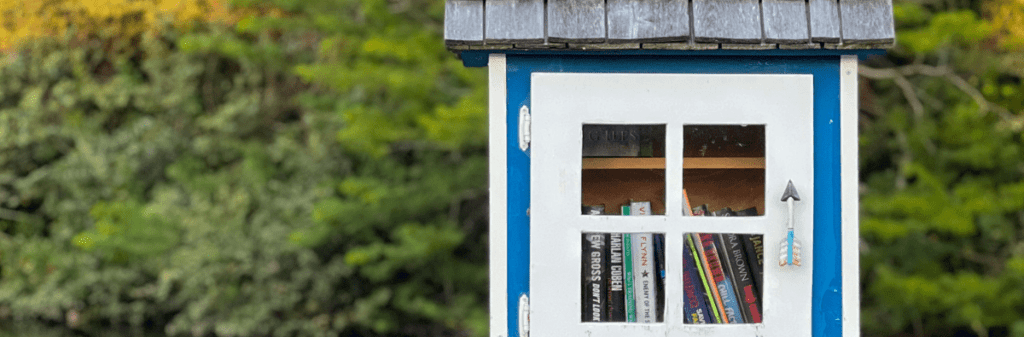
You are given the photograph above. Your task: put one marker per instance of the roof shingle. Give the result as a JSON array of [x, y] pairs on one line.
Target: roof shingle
[[668, 24]]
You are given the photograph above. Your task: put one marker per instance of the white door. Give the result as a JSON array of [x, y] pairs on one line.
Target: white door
[[779, 106]]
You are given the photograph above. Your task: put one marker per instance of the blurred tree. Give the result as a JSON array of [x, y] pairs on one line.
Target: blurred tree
[[112, 20], [943, 173], [317, 167], [317, 170]]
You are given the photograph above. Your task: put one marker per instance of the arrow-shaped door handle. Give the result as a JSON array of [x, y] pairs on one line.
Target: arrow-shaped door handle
[[789, 253]]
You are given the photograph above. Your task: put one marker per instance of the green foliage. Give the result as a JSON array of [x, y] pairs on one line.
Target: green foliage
[[942, 171], [319, 169], [315, 171]]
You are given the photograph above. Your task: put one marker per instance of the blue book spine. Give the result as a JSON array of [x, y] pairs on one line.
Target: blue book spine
[[696, 307]]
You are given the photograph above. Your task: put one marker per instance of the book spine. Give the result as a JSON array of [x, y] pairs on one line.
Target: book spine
[[696, 309], [595, 268], [735, 265], [659, 268], [640, 208], [716, 298], [593, 209], [686, 204], [616, 285], [644, 278], [730, 304], [753, 245], [749, 293], [627, 279]]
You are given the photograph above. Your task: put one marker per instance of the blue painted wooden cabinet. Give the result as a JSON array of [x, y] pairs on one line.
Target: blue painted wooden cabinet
[[791, 116]]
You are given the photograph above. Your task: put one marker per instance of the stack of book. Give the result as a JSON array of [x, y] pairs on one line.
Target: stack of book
[[723, 274], [624, 274]]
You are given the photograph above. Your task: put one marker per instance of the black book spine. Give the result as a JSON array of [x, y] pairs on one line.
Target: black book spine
[[749, 294], [595, 267], [729, 267], [616, 273], [753, 245], [659, 265]]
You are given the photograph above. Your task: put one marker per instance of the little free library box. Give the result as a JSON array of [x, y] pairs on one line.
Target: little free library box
[[672, 167]]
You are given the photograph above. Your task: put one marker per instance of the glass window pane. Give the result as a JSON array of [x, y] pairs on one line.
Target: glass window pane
[[723, 169], [623, 169], [722, 278], [623, 277]]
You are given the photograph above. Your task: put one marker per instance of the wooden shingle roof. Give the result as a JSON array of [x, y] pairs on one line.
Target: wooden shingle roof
[[667, 24]]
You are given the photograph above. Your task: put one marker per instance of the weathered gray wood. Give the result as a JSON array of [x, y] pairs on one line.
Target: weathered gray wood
[[727, 21], [648, 20], [576, 21], [800, 46], [604, 46], [867, 21], [824, 20], [463, 22], [785, 21], [679, 46], [539, 46], [520, 21], [749, 46]]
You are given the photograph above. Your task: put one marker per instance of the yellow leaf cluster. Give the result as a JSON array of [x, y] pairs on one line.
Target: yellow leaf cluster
[[1008, 19], [23, 20]]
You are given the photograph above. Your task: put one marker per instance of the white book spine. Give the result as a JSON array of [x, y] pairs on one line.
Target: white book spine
[[644, 277], [640, 208]]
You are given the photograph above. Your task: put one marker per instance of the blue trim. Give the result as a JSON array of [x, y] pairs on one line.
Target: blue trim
[[478, 58], [827, 280], [518, 95]]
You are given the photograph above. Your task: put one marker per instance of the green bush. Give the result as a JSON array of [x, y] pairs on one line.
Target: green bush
[[232, 183]]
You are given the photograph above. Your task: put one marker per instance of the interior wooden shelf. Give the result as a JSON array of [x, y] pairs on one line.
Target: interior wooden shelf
[[659, 163]]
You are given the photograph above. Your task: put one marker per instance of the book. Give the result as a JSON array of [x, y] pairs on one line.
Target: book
[[701, 210], [640, 207], [593, 209], [724, 212], [629, 140], [644, 278], [754, 264], [753, 245], [616, 274], [627, 279], [659, 269], [603, 140], [730, 303], [624, 209], [711, 287], [595, 267], [746, 212], [714, 301], [742, 278], [687, 210], [696, 309]]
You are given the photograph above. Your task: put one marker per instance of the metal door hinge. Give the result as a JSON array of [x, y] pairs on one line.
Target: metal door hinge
[[524, 128], [524, 316]]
